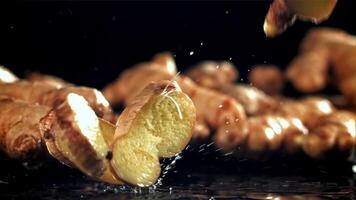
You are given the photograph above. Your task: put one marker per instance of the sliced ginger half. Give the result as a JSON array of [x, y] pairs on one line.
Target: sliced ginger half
[[158, 123]]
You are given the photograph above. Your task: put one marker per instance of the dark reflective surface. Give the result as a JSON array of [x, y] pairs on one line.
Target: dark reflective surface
[[192, 177]]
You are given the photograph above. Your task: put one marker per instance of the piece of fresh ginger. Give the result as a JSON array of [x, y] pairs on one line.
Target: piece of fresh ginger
[[213, 108], [283, 13], [268, 78], [334, 133], [49, 95], [47, 79], [20, 137], [320, 49], [213, 75]]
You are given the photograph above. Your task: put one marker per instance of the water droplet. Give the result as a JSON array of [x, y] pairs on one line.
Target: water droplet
[[201, 43], [227, 12], [220, 106], [191, 53], [354, 168], [230, 58]]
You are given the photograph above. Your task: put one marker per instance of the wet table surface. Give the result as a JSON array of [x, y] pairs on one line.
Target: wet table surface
[[197, 175]]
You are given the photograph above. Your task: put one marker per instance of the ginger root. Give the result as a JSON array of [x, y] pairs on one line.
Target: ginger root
[[267, 78], [283, 13], [320, 49], [213, 75], [50, 95], [334, 132]]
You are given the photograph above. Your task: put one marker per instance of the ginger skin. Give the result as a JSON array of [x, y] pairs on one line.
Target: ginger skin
[[320, 49], [267, 78], [50, 95], [213, 75], [334, 132], [283, 13]]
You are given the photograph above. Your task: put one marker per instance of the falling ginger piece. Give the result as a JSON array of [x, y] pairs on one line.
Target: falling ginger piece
[[213, 75], [283, 13], [158, 123], [267, 78], [335, 132], [6, 76]]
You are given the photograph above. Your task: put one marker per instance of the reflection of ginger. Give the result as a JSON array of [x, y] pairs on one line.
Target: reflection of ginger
[[282, 13], [321, 48], [334, 132], [267, 78], [213, 108]]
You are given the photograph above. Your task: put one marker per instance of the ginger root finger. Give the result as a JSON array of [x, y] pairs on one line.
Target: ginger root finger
[[6, 76], [130, 83], [254, 101], [50, 95], [47, 79], [20, 136], [267, 78], [157, 123], [335, 132], [213, 75], [309, 110], [282, 13]]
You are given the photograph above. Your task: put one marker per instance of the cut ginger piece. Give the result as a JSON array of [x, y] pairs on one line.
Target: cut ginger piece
[[157, 123]]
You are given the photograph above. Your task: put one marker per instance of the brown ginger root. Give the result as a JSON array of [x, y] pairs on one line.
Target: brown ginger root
[[267, 78], [254, 101], [213, 75], [20, 137], [321, 48], [283, 13], [47, 79], [335, 132], [50, 95], [266, 133], [309, 110]]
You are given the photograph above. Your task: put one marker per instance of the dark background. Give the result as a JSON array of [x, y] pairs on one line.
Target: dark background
[[90, 42]]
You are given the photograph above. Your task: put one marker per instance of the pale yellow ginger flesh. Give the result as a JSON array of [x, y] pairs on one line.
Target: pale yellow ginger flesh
[[161, 127]]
